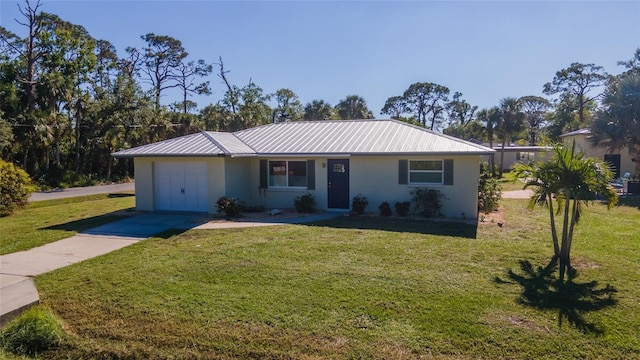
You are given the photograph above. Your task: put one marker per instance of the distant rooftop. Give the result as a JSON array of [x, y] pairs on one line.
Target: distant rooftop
[[578, 132]]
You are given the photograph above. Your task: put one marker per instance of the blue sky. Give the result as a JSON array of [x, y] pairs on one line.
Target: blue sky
[[375, 49]]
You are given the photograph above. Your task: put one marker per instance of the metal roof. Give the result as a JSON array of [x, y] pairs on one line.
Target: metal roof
[[353, 137], [343, 137], [578, 132], [199, 144]]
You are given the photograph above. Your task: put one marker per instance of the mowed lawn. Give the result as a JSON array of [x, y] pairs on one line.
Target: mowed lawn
[[349, 288], [43, 222]]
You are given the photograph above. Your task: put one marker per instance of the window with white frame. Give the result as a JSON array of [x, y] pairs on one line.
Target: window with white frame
[[288, 174], [525, 156], [425, 171]]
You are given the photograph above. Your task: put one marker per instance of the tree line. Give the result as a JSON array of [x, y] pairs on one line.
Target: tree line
[[68, 100]]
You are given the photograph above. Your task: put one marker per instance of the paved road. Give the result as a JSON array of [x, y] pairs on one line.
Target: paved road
[[517, 194], [80, 191]]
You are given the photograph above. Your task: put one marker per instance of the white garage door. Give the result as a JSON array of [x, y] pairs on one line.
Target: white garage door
[[181, 186]]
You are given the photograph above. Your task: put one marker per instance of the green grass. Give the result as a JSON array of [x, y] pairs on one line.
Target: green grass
[[508, 185], [349, 288], [43, 222]]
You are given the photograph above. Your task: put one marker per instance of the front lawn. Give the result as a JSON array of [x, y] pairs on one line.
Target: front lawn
[[349, 288], [43, 222]]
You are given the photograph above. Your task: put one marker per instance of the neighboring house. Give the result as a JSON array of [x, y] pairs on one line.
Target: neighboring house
[[271, 165], [620, 160], [518, 154]]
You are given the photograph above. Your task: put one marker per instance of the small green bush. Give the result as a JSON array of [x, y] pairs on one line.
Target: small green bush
[[359, 203], [34, 331], [15, 187], [305, 204], [427, 202], [489, 193], [402, 208], [228, 206], [385, 209]]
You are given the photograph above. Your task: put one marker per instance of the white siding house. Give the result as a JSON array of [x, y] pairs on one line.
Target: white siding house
[[271, 165]]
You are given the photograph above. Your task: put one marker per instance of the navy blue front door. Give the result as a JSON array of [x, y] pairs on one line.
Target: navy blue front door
[[338, 183]]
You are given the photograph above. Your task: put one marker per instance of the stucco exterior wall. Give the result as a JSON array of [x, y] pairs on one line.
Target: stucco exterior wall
[[283, 198], [143, 172], [376, 177], [511, 156], [238, 183], [583, 144]]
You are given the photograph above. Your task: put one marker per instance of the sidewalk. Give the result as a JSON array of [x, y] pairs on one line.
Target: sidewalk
[[17, 289]]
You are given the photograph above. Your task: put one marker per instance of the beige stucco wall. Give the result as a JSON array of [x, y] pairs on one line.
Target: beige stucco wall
[[583, 144], [239, 184], [511, 156], [377, 179], [283, 198], [143, 171]]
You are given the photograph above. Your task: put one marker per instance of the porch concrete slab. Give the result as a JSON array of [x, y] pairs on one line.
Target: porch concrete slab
[[268, 222]]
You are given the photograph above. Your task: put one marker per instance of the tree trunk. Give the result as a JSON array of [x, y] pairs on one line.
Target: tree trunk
[[504, 143], [57, 152], [564, 246], [109, 163], [554, 231]]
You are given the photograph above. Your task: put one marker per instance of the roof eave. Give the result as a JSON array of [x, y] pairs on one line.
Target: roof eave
[[129, 156]]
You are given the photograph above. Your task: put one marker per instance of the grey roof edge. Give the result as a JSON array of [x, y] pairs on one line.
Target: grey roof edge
[[584, 131], [216, 143], [413, 153], [131, 156], [452, 138]]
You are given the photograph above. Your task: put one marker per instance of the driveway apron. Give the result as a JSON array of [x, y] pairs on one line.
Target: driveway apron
[[17, 290]]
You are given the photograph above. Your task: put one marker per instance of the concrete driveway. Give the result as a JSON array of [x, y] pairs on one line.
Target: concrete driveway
[[17, 290]]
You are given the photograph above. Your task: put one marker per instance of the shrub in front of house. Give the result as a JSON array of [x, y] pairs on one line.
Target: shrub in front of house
[[32, 332], [489, 194], [427, 202], [359, 204], [385, 209], [229, 206], [15, 188], [305, 204], [402, 208], [489, 190]]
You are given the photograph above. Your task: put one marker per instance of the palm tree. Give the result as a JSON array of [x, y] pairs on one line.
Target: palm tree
[[511, 121], [353, 107], [617, 125], [318, 110], [573, 180]]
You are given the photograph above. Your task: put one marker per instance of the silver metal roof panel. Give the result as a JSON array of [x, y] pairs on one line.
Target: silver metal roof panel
[[353, 137], [329, 137], [188, 145]]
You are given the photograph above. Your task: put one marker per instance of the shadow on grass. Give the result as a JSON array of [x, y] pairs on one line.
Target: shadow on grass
[[120, 195], [630, 201], [92, 222], [426, 226], [542, 290]]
